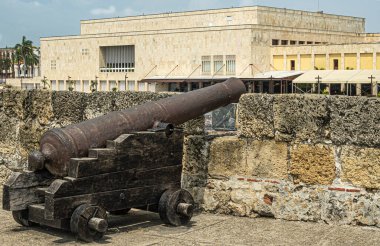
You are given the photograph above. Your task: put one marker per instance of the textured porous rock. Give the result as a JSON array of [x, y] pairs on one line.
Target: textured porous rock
[[312, 164], [297, 202], [337, 208], [216, 197], [26, 115], [68, 107], [361, 166], [366, 209], [195, 126], [256, 116], [267, 159], [195, 161], [38, 117], [4, 174], [355, 120], [301, 118], [12, 115], [285, 200], [227, 157]]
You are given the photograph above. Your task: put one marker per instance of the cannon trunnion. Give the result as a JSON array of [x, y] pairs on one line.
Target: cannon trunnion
[[138, 170], [80, 174], [59, 145]]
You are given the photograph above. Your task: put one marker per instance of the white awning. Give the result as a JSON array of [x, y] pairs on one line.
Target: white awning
[[364, 77], [277, 75], [339, 77]]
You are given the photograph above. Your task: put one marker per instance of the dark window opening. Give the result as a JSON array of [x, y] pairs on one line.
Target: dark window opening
[[292, 65], [275, 42], [284, 42], [336, 64]]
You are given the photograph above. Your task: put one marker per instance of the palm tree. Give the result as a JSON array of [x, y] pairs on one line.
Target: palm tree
[[25, 53], [13, 61], [32, 60], [7, 65]]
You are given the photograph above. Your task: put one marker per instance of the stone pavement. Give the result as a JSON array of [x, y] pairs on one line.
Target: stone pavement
[[144, 228]]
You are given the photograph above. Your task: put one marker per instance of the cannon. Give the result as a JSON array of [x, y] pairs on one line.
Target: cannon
[[112, 163]]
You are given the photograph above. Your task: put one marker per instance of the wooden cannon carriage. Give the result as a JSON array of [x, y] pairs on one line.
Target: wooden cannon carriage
[[80, 173]]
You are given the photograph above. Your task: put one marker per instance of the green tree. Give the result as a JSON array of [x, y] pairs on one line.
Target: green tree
[[7, 65], [25, 53]]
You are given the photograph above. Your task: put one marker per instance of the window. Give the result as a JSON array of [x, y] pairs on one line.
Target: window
[[53, 64], [292, 42], [336, 64], [113, 85], [229, 20], [301, 42], [275, 42], [61, 85], [53, 84], [121, 85], [218, 65], [117, 59], [206, 65], [85, 52], [103, 85], [231, 64], [309, 42], [284, 42], [78, 86], [131, 85], [86, 86], [141, 86], [292, 65], [151, 87]]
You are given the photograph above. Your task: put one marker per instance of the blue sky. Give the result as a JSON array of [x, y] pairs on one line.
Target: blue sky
[[44, 18]]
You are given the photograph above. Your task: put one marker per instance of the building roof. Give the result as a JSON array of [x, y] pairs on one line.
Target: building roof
[[339, 76], [272, 75], [278, 75]]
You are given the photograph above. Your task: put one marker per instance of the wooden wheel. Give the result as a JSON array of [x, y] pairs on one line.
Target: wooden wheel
[[21, 217], [120, 212], [88, 222], [176, 207]]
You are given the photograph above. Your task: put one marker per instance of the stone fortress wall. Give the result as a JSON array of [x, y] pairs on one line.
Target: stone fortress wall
[[294, 157]]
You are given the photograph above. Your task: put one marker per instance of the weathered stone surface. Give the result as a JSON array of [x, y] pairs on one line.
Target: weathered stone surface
[[301, 118], [38, 118], [312, 164], [361, 166], [26, 115], [4, 174], [291, 202], [355, 120], [267, 159], [297, 202], [68, 107], [11, 118], [256, 116], [227, 157], [195, 162]]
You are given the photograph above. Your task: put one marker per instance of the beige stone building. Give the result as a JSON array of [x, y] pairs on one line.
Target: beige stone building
[[188, 50]]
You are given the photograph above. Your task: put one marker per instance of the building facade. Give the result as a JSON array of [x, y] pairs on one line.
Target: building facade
[[188, 50]]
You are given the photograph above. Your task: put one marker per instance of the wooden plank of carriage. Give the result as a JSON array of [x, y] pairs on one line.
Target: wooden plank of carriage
[[139, 150]]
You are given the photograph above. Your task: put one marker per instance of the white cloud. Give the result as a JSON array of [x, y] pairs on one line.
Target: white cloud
[[36, 3], [104, 11], [247, 2]]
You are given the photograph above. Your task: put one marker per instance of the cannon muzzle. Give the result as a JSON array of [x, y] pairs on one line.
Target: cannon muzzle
[[58, 145]]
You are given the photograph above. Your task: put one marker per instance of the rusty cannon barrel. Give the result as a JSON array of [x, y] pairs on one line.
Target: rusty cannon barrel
[[58, 145]]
